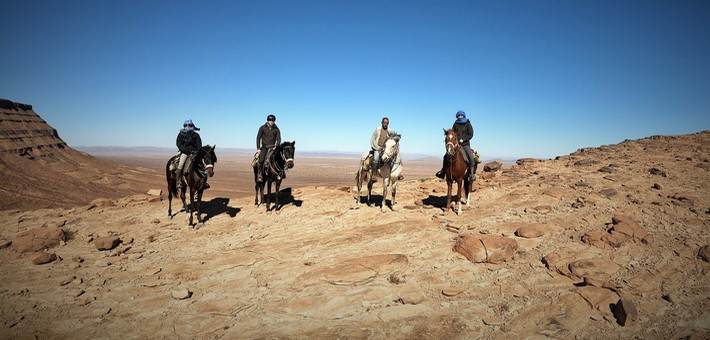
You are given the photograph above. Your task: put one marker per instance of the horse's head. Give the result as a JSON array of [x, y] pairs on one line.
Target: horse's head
[[391, 148], [452, 141], [289, 150], [209, 159]]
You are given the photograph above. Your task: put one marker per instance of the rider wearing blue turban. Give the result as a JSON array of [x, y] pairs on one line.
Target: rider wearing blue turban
[[188, 141], [464, 130]]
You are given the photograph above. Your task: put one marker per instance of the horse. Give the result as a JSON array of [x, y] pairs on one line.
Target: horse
[[200, 168], [389, 171], [456, 169], [281, 159]]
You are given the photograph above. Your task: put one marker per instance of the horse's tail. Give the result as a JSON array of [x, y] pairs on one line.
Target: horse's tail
[[172, 182]]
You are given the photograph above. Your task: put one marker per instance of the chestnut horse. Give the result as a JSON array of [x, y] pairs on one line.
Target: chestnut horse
[[281, 159], [456, 169], [201, 167]]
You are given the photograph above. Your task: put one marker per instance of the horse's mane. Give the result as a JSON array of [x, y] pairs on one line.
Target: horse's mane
[[395, 136]]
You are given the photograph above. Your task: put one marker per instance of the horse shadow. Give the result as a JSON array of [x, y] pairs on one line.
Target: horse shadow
[[374, 200], [217, 206], [285, 198], [437, 201]]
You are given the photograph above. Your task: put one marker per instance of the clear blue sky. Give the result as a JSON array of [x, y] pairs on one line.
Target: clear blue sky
[[537, 78]]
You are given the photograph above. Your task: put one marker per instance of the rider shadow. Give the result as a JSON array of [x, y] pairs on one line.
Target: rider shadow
[[436, 201], [285, 198], [217, 206]]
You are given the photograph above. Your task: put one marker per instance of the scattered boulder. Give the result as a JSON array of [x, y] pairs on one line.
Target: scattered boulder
[[623, 229], [452, 291], [107, 242], [704, 253], [657, 172], [656, 186], [44, 258], [682, 201], [528, 231], [181, 294], [609, 192], [524, 161], [38, 239], [606, 169], [5, 243], [625, 312], [486, 248], [492, 166], [155, 192], [102, 263], [410, 295]]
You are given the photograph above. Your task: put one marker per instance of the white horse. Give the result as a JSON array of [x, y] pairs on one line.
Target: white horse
[[389, 172]]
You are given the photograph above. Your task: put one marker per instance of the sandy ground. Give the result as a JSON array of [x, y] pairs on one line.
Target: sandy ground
[[546, 250]]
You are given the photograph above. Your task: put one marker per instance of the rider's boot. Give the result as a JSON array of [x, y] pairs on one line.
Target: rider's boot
[[206, 185], [179, 179], [440, 174], [471, 174], [259, 172]]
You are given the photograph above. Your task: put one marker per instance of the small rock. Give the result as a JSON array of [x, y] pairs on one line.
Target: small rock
[[155, 221], [606, 169], [107, 242], [181, 294], [656, 186], [77, 259], [608, 193], [704, 253], [397, 278], [127, 241], [44, 258], [67, 281], [444, 304], [657, 172], [452, 291], [585, 162], [38, 239], [155, 192], [410, 295], [4, 243], [528, 231], [625, 312], [488, 176], [492, 166], [102, 263]]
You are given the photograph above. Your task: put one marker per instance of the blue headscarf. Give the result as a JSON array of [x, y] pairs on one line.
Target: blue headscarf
[[462, 120], [189, 126]]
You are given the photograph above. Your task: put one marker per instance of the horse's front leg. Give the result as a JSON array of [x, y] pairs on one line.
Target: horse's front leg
[[394, 191], [385, 183], [358, 182], [276, 193], [268, 196], [458, 195], [369, 189], [192, 204], [199, 206], [448, 196]]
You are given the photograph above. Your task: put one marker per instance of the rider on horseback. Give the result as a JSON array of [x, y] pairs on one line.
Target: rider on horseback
[[377, 142], [268, 137], [188, 142], [464, 130]]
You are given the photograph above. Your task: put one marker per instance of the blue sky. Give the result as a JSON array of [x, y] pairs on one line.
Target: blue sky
[[537, 78]]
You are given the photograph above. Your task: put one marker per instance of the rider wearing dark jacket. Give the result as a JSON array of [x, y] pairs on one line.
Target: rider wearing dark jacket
[[268, 137], [188, 141], [464, 130]]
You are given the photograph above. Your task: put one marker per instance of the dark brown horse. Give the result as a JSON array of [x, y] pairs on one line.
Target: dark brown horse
[[281, 159], [456, 169], [201, 167]]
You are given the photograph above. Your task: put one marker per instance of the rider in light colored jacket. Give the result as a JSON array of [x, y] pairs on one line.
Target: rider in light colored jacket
[[378, 140]]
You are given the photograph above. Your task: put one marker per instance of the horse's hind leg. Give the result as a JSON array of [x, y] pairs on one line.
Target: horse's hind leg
[[170, 203], [276, 193], [199, 206], [192, 204], [394, 192], [268, 194], [468, 185]]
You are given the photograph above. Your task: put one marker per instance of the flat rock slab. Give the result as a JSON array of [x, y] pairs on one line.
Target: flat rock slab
[[181, 294], [44, 258], [528, 231], [452, 291], [486, 248], [38, 239], [107, 242]]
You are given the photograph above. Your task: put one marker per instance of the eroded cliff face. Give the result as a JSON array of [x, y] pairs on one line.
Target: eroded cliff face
[[39, 170], [25, 133]]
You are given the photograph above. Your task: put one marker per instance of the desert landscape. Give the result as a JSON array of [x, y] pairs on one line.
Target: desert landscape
[[606, 242]]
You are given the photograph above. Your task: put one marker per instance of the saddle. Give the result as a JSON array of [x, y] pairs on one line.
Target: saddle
[[188, 163], [367, 162], [476, 157]]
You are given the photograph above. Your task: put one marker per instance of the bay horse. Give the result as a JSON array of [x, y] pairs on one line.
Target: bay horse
[[389, 171], [200, 168], [281, 159], [456, 169]]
